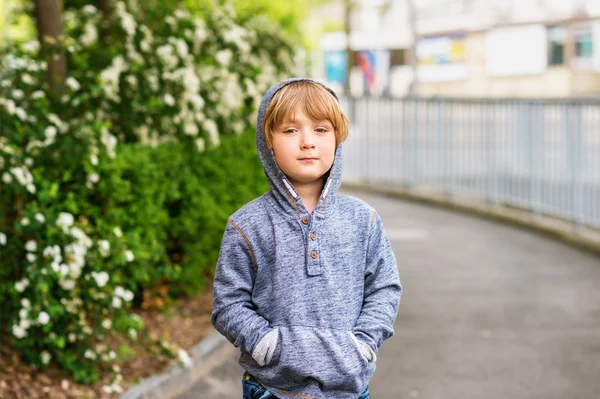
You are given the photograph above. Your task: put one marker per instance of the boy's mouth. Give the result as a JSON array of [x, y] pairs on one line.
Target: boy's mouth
[[308, 159]]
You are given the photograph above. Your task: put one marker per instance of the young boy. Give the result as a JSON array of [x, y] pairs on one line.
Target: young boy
[[306, 283]]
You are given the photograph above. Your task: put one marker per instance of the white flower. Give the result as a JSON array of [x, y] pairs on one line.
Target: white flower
[[20, 112], [40, 218], [169, 100], [18, 94], [118, 232], [25, 303], [19, 332], [38, 94], [27, 79], [24, 323], [89, 9], [31, 188], [21, 285], [6, 178], [55, 120], [92, 179], [184, 358], [23, 313], [94, 159], [31, 46], [90, 35], [64, 221], [29, 162], [10, 106], [43, 318], [153, 81], [46, 357], [116, 302], [224, 57], [67, 285], [112, 355], [131, 80], [2, 239], [119, 291], [104, 248], [25, 222], [31, 257], [89, 355], [129, 256], [132, 333], [191, 129], [213, 133], [200, 144], [101, 278], [72, 83], [50, 134], [128, 23], [110, 78], [182, 48], [107, 324], [145, 45], [55, 266], [31, 246], [197, 101], [109, 141], [72, 337], [123, 293], [167, 56]]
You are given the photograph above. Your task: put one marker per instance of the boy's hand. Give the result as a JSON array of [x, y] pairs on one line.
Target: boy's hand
[[365, 350], [263, 351]]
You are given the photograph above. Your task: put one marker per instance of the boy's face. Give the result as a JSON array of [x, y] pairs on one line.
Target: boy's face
[[304, 148]]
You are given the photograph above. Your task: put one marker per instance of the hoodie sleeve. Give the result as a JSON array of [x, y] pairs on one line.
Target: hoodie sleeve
[[382, 289], [234, 315]]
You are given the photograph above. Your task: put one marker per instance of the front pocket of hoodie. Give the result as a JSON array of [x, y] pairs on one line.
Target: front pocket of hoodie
[[330, 357]]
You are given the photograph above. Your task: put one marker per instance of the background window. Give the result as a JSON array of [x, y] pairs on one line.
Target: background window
[[584, 45], [557, 37]]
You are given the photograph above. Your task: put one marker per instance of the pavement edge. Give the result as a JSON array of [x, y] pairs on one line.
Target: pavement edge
[[587, 239], [205, 356]]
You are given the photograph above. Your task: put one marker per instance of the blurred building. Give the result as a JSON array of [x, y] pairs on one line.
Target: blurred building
[[487, 48]]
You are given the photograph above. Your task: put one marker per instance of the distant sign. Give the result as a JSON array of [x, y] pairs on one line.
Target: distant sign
[[441, 50], [441, 58], [519, 50], [336, 63]]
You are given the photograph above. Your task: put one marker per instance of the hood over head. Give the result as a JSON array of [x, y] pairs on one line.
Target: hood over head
[[285, 195]]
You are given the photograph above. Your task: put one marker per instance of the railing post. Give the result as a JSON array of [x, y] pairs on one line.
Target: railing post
[[577, 171]]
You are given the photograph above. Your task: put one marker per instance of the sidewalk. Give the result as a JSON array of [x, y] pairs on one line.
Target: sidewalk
[[488, 311]]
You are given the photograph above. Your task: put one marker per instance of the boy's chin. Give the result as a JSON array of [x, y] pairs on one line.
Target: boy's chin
[[306, 180]]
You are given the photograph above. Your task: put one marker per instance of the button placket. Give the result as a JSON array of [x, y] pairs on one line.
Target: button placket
[[312, 251]]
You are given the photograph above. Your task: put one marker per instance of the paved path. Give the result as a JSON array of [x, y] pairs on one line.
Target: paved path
[[488, 312]]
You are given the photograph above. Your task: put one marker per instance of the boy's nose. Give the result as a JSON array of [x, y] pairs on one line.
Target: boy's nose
[[307, 141]]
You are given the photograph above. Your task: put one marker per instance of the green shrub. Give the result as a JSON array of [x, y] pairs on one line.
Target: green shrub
[[174, 205], [108, 196]]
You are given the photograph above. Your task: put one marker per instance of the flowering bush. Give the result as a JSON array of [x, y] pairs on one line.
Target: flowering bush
[[104, 193]]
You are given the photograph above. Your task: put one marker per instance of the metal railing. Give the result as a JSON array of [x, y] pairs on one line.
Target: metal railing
[[538, 155]]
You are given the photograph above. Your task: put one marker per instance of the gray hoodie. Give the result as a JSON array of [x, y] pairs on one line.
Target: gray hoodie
[[309, 298]]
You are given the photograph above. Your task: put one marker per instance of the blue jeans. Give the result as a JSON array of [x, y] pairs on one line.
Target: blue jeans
[[253, 390]]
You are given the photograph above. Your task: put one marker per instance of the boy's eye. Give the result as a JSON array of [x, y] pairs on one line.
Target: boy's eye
[[289, 130], [321, 130]]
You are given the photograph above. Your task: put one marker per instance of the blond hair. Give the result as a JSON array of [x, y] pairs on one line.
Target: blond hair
[[316, 102]]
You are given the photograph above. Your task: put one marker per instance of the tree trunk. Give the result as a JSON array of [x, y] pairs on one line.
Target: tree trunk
[[48, 18], [105, 8], [349, 59]]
